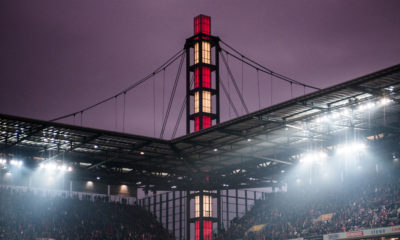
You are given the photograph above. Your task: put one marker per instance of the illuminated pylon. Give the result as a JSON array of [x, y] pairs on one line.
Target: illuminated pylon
[[202, 98]]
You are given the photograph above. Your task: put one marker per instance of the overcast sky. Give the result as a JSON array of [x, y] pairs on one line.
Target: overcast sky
[[60, 56]]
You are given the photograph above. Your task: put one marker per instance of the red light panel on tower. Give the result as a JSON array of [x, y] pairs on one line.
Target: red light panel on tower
[[196, 78], [196, 124], [206, 77], [206, 122], [202, 25]]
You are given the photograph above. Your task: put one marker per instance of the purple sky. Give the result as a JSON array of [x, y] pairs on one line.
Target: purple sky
[[60, 56]]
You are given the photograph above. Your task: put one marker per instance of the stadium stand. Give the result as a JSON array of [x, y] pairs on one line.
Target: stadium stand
[[26, 215], [311, 212]]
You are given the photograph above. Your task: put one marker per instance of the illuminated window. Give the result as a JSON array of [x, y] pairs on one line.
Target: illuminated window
[[206, 102], [197, 206], [206, 77], [206, 52], [196, 102], [196, 78], [207, 206], [196, 53]]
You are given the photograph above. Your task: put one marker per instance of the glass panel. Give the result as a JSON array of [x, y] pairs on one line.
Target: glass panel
[[206, 121], [196, 78], [196, 53], [206, 51], [197, 25], [206, 101], [207, 206], [197, 206], [196, 102], [206, 77], [207, 233], [196, 124]]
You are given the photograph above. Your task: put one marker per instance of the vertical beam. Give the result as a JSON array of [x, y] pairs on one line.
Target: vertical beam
[[187, 215], [200, 64], [173, 212], [237, 204], [155, 205], [219, 211], [227, 209], [160, 209], [187, 88], [217, 51], [180, 215], [201, 215], [245, 200], [166, 210], [148, 204]]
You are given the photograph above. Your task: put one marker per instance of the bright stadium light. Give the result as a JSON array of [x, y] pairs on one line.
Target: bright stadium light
[[16, 163], [385, 101], [313, 157], [355, 147]]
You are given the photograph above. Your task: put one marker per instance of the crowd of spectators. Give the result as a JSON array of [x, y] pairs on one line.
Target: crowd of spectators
[[355, 206], [26, 215]]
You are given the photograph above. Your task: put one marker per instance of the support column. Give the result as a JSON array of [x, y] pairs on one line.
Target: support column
[[245, 200], [173, 212], [201, 229], [227, 209], [187, 215], [160, 209], [155, 205], [180, 215], [237, 204], [167, 211], [219, 211]]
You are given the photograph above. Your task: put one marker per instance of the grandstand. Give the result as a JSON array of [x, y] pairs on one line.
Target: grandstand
[[327, 162]]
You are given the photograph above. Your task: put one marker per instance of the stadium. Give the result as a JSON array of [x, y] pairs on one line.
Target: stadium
[[322, 164]]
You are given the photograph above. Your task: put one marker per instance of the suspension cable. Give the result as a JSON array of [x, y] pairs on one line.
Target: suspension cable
[[234, 84], [171, 99], [163, 66], [123, 114], [264, 69], [182, 109], [229, 98]]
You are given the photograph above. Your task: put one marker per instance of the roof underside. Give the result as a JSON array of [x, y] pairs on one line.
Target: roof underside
[[248, 151]]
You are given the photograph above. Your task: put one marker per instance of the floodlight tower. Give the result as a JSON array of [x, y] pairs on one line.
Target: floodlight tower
[[203, 110], [203, 97]]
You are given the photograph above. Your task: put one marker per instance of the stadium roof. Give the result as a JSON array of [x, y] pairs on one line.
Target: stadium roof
[[248, 151]]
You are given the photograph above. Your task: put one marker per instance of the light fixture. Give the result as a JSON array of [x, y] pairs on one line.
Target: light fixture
[[141, 153], [385, 101]]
